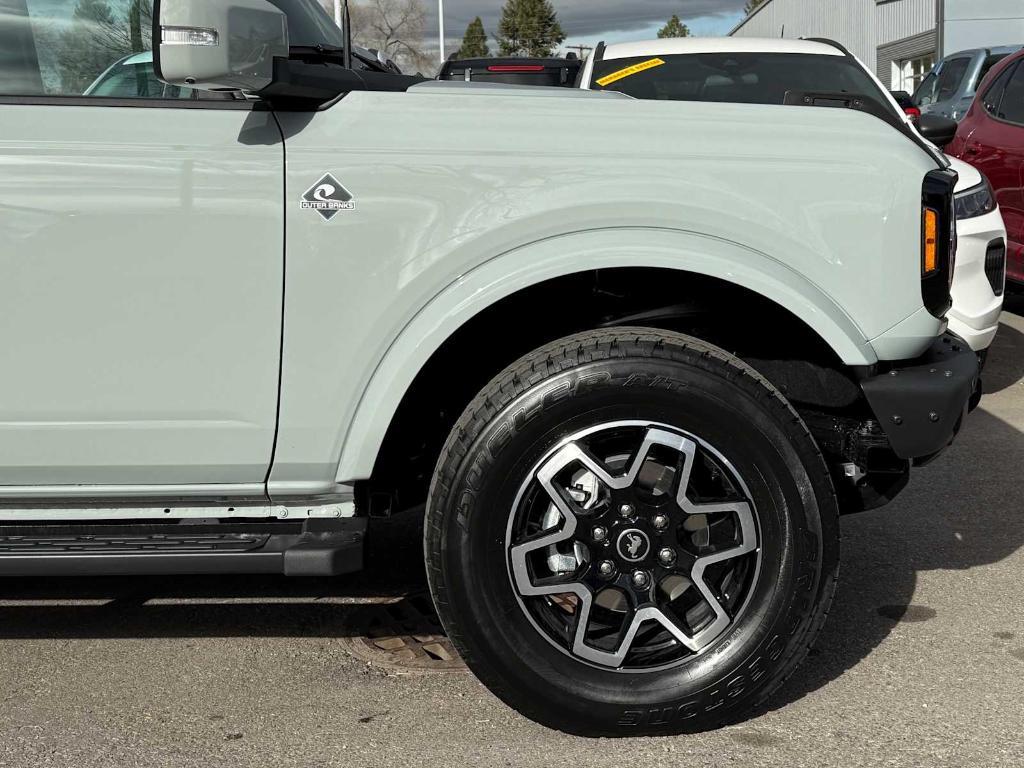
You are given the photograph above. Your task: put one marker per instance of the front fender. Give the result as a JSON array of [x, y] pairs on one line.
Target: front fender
[[563, 255]]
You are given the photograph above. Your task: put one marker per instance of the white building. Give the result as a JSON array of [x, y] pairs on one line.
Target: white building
[[901, 39]]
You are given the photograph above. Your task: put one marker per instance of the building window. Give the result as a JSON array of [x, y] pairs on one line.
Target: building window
[[909, 73]]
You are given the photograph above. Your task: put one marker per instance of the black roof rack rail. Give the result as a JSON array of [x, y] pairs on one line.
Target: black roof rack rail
[[829, 41], [880, 111]]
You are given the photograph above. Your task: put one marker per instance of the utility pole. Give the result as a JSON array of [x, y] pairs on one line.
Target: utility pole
[[583, 49], [440, 22]]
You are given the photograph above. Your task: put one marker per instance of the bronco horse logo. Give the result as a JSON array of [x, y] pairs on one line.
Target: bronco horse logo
[[633, 545]]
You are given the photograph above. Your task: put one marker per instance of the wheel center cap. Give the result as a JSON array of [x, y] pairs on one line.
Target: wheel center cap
[[633, 545]]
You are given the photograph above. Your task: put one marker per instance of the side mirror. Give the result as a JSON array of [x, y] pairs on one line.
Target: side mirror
[[937, 129], [218, 45]]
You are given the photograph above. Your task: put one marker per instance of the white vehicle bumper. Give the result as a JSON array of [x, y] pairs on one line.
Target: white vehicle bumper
[[976, 307]]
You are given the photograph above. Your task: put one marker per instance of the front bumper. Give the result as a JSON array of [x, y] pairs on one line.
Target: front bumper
[[921, 403]]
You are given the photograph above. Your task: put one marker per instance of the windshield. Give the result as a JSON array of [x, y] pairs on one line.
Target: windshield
[[309, 24], [743, 78]]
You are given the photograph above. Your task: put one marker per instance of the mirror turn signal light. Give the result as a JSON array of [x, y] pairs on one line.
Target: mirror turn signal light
[[189, 36], [930, 256]]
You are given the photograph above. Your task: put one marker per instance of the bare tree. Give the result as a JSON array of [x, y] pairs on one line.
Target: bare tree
[[97, 37], [393, 27]]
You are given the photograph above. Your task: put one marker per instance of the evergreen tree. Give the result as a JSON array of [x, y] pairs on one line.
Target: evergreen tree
[[674, 28], [474, 42], [529, 28]]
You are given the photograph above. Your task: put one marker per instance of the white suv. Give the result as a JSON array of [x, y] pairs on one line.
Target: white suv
[[767, 71]]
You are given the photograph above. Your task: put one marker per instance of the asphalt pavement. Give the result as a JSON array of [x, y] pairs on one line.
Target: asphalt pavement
[[920, 664]]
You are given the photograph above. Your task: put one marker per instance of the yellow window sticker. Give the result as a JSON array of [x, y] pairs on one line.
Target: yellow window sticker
[[636, 69]]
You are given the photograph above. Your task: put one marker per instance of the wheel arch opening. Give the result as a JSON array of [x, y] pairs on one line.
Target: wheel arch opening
[[772, 339]]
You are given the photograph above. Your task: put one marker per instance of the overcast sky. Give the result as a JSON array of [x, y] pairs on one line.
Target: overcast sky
[[589, 21]]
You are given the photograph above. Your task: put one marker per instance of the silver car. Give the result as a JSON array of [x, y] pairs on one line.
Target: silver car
[[949, 89]]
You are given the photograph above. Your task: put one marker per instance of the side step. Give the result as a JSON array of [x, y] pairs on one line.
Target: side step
[[312, 547]]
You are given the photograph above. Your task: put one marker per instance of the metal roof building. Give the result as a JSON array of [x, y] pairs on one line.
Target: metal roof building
[[901, 39]]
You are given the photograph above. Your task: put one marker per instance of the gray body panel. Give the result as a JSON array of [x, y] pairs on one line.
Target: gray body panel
[[461, 200], [141, 253], [143, 302]]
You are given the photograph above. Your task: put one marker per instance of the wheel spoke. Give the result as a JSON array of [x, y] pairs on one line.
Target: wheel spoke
[[655, 437], [748, 543], [615, 658]]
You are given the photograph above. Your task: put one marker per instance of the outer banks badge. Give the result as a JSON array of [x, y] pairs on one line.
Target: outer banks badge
[[328, 198]]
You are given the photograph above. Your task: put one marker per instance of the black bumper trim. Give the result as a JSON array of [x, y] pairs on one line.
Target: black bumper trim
[[921, 403]]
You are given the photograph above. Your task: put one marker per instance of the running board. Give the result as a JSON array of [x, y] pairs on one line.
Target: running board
[[312, 547]]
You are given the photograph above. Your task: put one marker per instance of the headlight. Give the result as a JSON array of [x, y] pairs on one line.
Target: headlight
[[976, 201]]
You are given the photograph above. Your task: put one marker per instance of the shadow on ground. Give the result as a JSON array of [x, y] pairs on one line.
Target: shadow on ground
[[226, 606], [961, 512]]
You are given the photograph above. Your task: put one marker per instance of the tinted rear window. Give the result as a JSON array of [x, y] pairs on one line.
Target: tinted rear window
[[744, 78]]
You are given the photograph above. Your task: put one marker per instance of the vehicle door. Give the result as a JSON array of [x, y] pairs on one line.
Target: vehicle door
[[141, 265]]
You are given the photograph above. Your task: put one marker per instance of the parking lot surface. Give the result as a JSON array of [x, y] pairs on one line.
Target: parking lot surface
[[921, 662]]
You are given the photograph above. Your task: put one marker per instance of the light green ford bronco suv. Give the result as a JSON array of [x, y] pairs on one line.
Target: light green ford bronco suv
[[634, 357]]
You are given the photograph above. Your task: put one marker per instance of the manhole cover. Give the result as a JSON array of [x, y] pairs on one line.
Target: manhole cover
[[405, 635]]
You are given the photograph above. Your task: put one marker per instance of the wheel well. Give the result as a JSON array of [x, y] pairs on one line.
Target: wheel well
[[772, 339]]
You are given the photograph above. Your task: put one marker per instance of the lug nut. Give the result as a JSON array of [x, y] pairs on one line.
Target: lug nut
[[606, 568], [667, 556], [599, 533], [640, 579], [626, 510], [660, 522]]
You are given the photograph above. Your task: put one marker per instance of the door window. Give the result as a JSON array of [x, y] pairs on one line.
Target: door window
[[926, 92], [1011, 107], [994, 95], [80, 48]]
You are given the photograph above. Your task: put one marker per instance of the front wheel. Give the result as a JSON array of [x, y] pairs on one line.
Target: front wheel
[[631, 532]]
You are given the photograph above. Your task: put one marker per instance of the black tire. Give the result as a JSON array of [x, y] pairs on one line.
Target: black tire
[[657, 377]]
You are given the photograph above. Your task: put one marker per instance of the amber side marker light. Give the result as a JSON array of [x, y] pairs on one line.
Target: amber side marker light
[[930, 261]]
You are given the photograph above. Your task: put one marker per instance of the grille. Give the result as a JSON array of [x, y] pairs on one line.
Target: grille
[[995, 266]]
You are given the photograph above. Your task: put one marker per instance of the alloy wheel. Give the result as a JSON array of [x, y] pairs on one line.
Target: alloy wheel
[[633, 546]]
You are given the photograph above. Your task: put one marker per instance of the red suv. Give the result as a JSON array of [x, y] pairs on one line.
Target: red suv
[[991, 138]]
